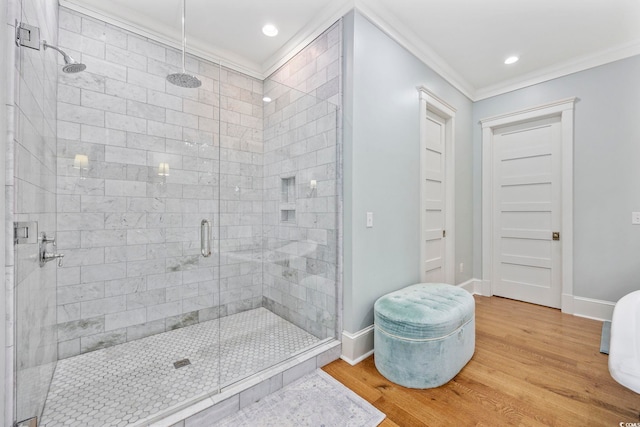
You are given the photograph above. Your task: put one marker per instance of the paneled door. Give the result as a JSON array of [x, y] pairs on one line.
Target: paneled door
[[527, 218], [433, 188]]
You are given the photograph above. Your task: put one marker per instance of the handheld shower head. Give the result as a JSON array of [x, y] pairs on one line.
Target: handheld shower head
[[70, 64]]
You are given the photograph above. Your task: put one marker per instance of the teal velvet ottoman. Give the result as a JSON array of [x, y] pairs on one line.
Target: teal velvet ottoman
[[424, 334]]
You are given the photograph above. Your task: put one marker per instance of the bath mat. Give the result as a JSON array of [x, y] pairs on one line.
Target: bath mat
[[316, 399], [605, 338]]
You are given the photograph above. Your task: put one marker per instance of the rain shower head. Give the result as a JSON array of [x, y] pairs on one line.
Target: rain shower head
[[184, 80], [70, 64]]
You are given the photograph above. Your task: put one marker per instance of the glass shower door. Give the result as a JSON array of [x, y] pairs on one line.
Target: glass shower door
[[278, 224]]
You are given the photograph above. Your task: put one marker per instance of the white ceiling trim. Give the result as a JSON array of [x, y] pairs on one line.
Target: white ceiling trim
[[315, 28], [390, 25], [559, 70], [225, 58]]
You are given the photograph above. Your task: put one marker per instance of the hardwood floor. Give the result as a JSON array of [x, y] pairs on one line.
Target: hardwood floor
[[532, 365]]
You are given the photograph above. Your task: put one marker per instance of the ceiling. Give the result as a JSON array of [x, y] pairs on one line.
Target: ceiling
[[466, 41]]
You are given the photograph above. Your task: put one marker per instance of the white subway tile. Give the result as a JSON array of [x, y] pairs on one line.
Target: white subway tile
[[125, 253], [87, 80], [125, 90], [100, 135], [79, 114], [165, 100], [145, 142], [143, 79], [102, 238], [104, 102], [79, 257], [165, 310], [182, 119], [125, 155], [197, 108], [69, 21], [126, 318], [129, 220], [80, 221], [164, 129], [69, 94], [126, 57], [105, 68], [68, 130], [124, 122], [93, 273], [124, 286], [101, 306], [147, 48], [145, 111], [124, 188]]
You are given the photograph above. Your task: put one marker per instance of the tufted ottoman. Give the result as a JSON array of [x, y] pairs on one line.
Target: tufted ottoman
[[424, 334]]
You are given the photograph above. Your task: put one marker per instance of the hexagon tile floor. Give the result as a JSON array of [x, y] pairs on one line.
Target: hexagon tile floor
[[120, 385]]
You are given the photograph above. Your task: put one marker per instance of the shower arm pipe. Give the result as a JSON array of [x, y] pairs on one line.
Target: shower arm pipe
[[64, 55], [184, 35]]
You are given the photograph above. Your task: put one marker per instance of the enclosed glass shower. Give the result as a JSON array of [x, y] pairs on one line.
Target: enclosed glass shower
[[199, 228]]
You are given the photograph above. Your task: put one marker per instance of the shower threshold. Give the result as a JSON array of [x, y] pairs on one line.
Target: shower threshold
[[135, 382]]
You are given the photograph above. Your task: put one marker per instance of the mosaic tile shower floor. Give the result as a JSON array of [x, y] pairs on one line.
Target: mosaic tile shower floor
[[121, 385]]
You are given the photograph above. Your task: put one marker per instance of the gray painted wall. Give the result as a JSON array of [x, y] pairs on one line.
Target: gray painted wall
[[606, 172], [381, 168]]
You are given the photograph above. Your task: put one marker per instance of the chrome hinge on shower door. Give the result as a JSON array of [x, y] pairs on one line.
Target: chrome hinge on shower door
[[25, 232]]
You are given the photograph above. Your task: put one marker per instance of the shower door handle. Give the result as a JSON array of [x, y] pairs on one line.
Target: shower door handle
[[205, 238]]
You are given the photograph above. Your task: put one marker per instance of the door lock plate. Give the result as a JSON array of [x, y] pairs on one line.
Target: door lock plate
[[555, 235]]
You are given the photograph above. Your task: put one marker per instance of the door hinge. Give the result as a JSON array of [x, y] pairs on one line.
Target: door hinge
[[25, 232], [444, 233], [27, 35]]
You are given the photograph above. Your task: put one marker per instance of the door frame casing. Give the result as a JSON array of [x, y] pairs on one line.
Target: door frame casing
[[564, 109], [432, 103]]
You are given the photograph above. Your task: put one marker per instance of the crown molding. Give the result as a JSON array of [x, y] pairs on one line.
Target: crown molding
[[310, 32], [222, 57], [560, 70], [392, 26]]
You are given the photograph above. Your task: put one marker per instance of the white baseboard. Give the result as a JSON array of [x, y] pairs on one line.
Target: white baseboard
[[578, 306], [357, 346], [592, 308], [473, 286]]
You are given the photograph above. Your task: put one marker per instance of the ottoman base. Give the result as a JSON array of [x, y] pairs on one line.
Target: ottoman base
[[424, 364]]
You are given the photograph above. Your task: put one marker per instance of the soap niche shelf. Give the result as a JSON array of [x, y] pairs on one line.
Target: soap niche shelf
[[288, 200]]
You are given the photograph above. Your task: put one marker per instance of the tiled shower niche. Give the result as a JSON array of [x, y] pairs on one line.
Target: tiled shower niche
[[288, 200]]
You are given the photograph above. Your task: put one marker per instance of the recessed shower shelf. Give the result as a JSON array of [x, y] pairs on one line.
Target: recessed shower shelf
[[288, 200]]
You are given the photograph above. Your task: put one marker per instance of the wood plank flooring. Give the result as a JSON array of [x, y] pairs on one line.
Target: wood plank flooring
[[532, 366]]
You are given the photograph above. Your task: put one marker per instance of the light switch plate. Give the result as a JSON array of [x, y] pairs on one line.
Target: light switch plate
[[369, 219], [635, 218]]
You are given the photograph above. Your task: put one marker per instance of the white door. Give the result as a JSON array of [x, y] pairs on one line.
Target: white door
[[527, 211], [433, 199]]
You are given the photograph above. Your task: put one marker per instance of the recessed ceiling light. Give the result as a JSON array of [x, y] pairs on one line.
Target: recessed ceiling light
[[270, 30], [266, 99], [511, 60]]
